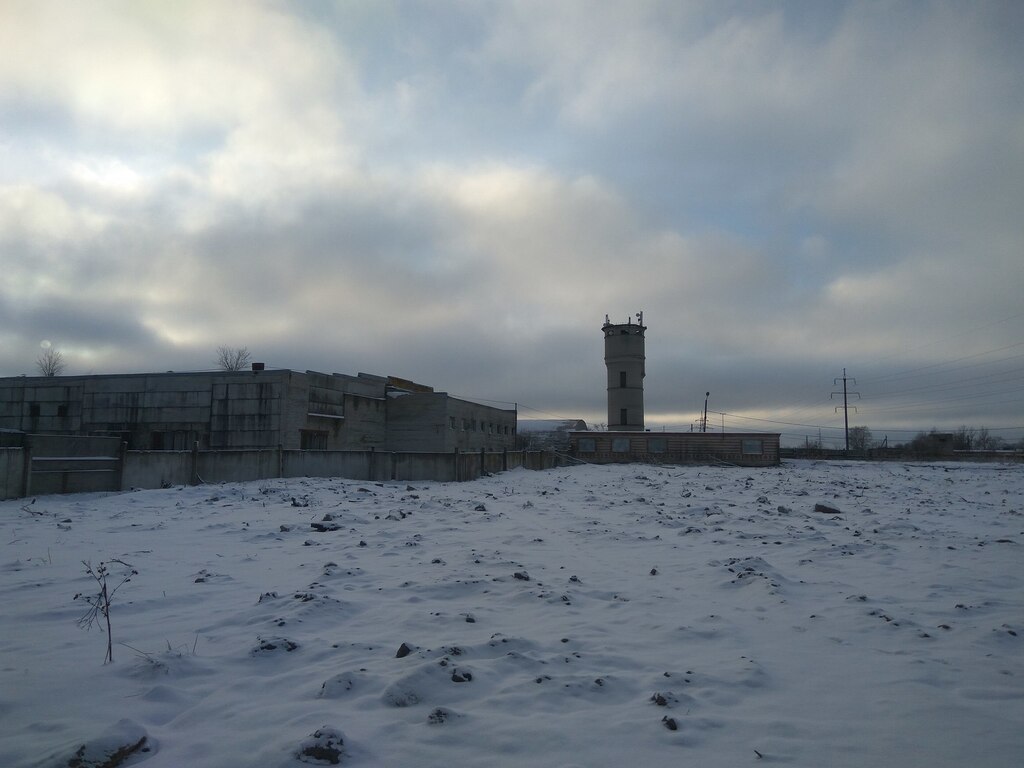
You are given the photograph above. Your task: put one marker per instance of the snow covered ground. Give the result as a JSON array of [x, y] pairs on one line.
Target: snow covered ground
[[594, 616]]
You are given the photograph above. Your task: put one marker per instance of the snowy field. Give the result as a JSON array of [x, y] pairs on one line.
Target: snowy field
[[594, 616]]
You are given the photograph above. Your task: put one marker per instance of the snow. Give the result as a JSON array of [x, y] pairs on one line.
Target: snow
[[588, 616]]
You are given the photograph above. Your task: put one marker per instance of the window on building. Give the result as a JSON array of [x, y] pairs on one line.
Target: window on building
[[33, 409], [620, 445], [622, 378], [312, 440], [156, 441], [752, 448], [62, 410], [465, 425], [587, 445], [656, 444], [623, 413], [451, 422]]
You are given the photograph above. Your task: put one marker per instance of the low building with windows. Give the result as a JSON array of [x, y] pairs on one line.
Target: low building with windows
[[548, 434], [745, 449], [438, 422], [420, 419], [257, 408]]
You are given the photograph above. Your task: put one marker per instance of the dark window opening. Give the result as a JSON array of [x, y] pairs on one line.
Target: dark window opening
[[62, 410], [156, 441], [33, 410], [312, 440], [622, 416], [622, 378]]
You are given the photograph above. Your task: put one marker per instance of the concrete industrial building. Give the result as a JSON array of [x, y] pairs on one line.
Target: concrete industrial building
[[254, 409], [626, 439]]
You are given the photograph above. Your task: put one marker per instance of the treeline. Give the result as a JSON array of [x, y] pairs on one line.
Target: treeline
[[932, 442], [965, 439]]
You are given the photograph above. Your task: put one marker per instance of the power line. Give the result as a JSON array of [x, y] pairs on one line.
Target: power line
[[909, 371]]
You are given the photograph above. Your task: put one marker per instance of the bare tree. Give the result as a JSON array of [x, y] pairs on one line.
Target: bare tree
[[233, 358], [51, 362], [986, 441], [969, 438], [964, 437], [860, 439]]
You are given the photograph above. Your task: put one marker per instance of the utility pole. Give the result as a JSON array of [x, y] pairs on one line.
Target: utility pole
[[704, 423], [846, 407]]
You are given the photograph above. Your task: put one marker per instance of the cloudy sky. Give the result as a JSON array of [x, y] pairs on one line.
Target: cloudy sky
[[458, 192]]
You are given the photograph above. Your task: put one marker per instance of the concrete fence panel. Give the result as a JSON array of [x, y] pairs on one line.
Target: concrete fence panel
[[72, 464], [424, 466], [12, 473], [354, 465], [157, 469], [233, 466]]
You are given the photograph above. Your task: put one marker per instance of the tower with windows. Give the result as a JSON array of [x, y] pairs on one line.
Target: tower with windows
[[624, 359]]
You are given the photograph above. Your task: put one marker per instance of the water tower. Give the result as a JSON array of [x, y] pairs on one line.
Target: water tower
[[624, 358]]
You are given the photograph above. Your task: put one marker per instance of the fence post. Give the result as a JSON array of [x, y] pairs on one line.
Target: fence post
[[456, 467], [122, 457], [194, 474], [26, 468]]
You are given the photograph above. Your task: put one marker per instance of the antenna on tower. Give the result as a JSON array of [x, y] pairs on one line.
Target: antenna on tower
[[640, 317]]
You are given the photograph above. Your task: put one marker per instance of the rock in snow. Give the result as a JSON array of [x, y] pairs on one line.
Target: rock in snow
[[116, 745], [325, 746]]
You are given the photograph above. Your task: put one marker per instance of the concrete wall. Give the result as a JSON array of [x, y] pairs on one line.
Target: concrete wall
[[157, 469], [252, 412], [365, 423], [437, 422], [162, 469], [72, 464], [73, 445], [418, 421], [163, 411], [12, 468], [171, 411], [491, 429], [357, 465], [238, 465], [750, 449], [424, 466]]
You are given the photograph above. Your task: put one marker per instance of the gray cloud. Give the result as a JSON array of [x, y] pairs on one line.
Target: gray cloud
[[460, 195]]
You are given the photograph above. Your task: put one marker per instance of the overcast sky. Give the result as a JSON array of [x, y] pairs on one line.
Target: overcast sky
[[458, 192]]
